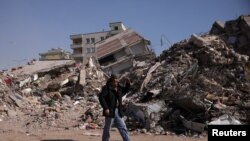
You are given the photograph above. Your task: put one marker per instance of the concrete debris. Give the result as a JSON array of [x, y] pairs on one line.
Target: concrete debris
[[225, 120], [18, 99], [26, 91], [190, 104], [25, 81], [146, 114], [35, 77], [64, 82], [199, 41], [155, 92], [199, 127], [149, 75], [198, 81], [53, 97]]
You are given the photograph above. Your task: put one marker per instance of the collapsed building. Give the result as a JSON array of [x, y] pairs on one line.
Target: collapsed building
[[198, 81], [48, 95], [117, 53], [115, 50], [235, 32]]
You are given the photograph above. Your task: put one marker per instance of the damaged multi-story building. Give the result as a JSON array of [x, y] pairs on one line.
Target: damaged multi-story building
[[55, 54], [235, 32], [115, 49]]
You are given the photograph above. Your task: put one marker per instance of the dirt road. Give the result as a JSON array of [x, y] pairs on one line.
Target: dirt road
[[86, 135]]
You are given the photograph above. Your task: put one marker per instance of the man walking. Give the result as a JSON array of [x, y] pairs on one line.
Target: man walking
[[111, 101]]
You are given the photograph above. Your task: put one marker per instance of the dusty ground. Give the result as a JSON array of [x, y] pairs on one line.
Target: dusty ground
[[21, 128], [86, 135]]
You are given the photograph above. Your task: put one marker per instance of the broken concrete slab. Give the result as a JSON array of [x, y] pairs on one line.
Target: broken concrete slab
[[18, 99], [190, 104], [147, 114], [225, 120], [149, 75], [195, 126]]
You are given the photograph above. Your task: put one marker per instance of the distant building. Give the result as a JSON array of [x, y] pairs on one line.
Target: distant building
[[55, 54], [114, 49]]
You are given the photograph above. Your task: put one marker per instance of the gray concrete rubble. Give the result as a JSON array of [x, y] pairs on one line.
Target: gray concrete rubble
[[52, 98], [198, 81], [146, 114]]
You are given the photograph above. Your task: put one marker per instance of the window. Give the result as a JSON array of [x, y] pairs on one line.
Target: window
[[88, 50], [77, 41], [92, 40], [87, 40], [116, 27], [93, 50], [77, 51], [107, 60], [102, 38]]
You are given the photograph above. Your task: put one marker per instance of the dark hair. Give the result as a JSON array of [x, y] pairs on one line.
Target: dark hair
[[112, 77]]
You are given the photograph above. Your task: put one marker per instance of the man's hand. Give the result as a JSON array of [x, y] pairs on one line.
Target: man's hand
[[106, 112]]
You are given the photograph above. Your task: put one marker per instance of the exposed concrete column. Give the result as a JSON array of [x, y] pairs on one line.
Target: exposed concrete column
[[82, 71], [83, 76]]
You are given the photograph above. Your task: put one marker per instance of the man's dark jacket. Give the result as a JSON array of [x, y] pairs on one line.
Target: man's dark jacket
[[109, 97]]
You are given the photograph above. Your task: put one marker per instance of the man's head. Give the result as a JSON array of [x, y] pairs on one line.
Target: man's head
[[113, 76], [113, 80]]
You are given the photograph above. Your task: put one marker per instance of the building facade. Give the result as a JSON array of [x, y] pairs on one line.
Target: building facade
[[83, 45]]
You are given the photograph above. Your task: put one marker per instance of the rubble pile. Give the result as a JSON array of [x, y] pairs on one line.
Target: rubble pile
[[194, 82], [52, 98]]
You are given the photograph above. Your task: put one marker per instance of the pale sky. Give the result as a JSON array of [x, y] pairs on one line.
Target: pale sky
[[30, 27]]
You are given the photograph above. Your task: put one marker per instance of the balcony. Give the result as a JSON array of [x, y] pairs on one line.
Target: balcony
[[77, 55], [76, 46]]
